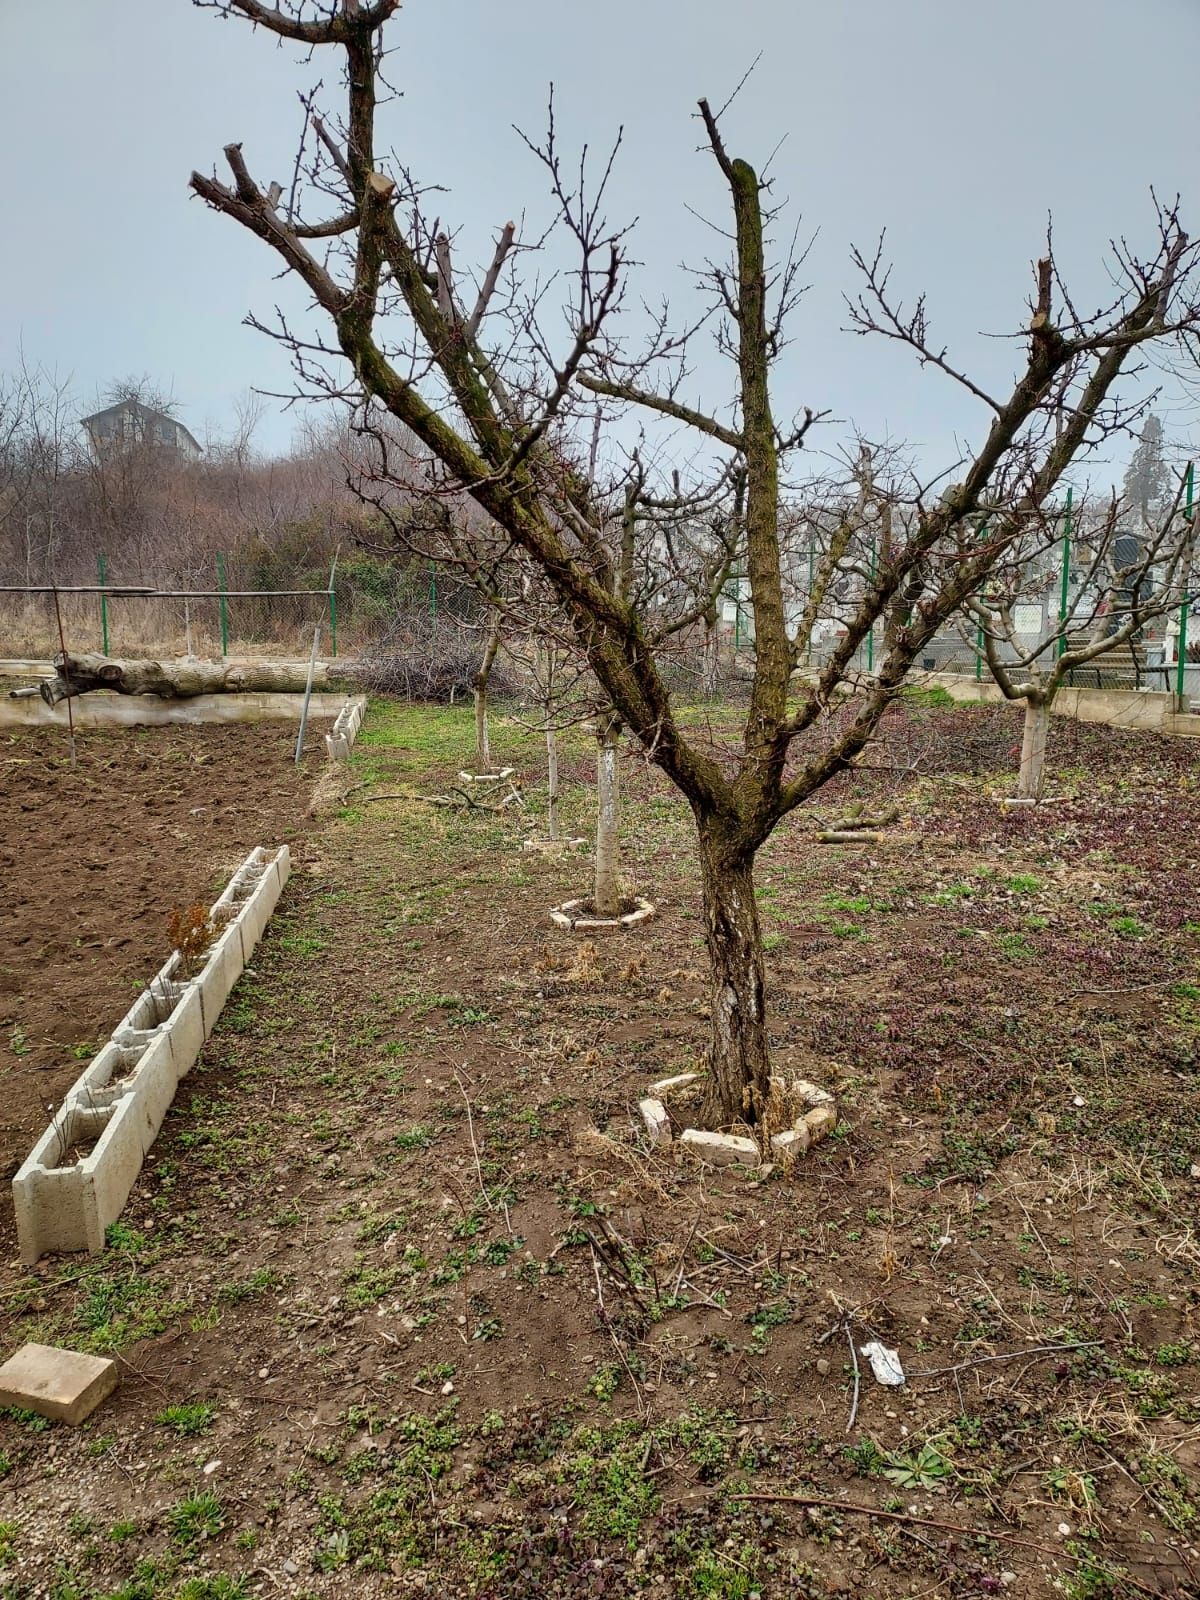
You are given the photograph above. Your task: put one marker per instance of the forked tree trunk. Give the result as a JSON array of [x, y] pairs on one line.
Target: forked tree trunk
[[1032, 778], [739, 1056], [606, 891], [551, 780]]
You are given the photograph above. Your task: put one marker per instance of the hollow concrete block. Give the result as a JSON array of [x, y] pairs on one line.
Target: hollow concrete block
[[125, 1091], [219, 974]]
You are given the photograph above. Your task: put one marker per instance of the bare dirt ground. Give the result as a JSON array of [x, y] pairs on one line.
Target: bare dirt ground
[[92, 862], [404, 1303]]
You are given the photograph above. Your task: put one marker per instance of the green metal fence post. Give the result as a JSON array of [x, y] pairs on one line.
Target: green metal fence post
[[102, 578], [1063, 606], [1184, 609], [223, 603], [432, 590]]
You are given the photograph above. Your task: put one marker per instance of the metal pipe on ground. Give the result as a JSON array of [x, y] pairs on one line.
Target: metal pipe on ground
[[312, 667]]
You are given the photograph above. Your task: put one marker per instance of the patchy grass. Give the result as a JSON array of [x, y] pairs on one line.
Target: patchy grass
[[451, 1318]]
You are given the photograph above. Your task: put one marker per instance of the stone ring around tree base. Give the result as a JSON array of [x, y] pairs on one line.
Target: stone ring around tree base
[[576, 918], [816, 1120]]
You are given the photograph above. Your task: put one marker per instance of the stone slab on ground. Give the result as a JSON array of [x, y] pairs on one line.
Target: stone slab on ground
[[62, 1384], [792, 1142], [820, 1121], [681, 1080], [658, 1122], [721, 1149]]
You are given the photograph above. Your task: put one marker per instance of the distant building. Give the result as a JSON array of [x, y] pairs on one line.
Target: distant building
[[129, 422]]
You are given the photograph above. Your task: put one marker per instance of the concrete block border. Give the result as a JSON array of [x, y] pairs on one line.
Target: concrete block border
[[78, 1176], [345, 729], [571, 915], [817, 1119]]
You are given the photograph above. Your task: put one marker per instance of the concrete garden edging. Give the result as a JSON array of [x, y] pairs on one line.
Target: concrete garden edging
[[571, 915], [817, 1119], [125, 1091], [345, 729]]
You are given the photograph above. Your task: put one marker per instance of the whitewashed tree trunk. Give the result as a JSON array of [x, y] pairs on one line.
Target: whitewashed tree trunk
[[551, 782], [1033, 750], [479, 688], [606, 895], [483, 747]]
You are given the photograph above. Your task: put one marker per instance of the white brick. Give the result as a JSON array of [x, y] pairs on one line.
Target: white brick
[[658, 1123], [720, 1149], [821, 1120], [792, 1142], [811, 1094], [682, 1080], [62, 1384]]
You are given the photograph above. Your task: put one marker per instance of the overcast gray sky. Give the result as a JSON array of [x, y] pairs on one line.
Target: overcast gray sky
[[955, 124]]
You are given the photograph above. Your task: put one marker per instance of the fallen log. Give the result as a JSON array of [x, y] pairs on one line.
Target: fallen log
[[183, 680]]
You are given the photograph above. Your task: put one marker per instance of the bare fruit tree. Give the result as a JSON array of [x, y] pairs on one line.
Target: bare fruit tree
[[1050, 610], [503, 405]]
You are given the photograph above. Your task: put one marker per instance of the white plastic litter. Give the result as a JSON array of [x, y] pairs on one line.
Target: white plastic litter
[[885, 1363]]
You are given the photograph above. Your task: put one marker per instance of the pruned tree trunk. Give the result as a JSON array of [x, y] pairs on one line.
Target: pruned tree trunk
[[483, 744], [479, 688], [606, 892], [712, 655], [551, 782], [1032, 777], [183, 680], [739, 1057]]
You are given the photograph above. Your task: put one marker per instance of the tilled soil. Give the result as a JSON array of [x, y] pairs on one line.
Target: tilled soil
[[92, 863]]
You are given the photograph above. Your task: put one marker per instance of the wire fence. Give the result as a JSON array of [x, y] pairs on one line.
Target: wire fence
[[128, 622], [225, 609]]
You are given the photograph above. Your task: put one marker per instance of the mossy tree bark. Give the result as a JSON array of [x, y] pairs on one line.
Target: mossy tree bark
[[511, 448]]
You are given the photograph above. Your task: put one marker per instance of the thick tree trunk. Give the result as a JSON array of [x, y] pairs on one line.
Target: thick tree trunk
[[182, 680], [739, 1058], [606, 892], [551, 782], [1033, 750]]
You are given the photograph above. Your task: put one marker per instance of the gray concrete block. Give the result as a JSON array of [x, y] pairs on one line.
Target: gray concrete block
[[65, 1202], [63, 1384], [219, 974], [339, 742]]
